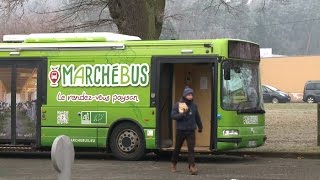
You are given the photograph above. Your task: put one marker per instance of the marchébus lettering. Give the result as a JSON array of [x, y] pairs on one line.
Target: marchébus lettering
[[103, 75]]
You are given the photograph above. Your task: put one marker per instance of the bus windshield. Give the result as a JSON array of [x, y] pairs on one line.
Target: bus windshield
[[242, 91]]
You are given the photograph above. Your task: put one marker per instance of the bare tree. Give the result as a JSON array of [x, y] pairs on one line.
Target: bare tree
[[143, 18], [29, 23], [16, 19], [9, 6], [234, 6]]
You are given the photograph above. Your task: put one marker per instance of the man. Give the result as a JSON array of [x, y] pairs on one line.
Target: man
[[186, 114]]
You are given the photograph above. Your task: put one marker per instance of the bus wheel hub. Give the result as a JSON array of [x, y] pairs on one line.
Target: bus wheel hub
[[128, 140]]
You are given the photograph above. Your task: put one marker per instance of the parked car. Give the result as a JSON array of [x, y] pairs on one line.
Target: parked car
[[311, 92], [274, 95]]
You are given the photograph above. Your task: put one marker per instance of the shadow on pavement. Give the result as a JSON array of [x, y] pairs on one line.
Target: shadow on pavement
[[205, 158], [201, 158]]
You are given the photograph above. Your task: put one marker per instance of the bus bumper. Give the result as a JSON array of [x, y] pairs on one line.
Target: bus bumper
[[240, 137]]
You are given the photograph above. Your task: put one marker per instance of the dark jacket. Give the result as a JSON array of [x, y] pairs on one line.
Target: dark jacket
[[188, 120]]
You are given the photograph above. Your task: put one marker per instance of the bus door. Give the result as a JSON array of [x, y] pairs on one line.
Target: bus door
[[20, 101], [169, 78]]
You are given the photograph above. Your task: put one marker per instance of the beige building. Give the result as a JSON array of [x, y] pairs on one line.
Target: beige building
[[289, 74]]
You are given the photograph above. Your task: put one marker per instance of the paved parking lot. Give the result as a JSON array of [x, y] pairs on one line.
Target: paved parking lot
[[210, 167]]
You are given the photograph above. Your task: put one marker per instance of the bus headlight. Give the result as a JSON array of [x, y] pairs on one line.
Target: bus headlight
[[230, 132]]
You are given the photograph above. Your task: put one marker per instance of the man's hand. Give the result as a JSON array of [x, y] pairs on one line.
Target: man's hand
[[183, 108]]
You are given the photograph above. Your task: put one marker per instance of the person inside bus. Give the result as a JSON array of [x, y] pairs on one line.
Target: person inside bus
[[252, 94], [187, 118]]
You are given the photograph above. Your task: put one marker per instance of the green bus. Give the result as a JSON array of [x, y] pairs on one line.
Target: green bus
[[114, 92]]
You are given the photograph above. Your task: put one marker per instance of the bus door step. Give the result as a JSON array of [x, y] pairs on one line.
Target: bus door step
[[16, 148]]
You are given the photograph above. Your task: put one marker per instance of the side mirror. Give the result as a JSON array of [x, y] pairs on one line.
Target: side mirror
[[237, 70], [226, 70]]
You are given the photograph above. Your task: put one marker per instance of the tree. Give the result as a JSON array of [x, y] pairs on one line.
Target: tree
[[143, 18], [17, 20]]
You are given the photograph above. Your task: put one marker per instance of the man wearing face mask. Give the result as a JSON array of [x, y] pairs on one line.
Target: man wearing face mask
[[187, 117]]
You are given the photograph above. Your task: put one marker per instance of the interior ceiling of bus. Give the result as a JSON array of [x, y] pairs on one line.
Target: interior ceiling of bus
[[26, 79]]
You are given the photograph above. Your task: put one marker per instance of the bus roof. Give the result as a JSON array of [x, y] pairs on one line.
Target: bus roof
[[68, 37]]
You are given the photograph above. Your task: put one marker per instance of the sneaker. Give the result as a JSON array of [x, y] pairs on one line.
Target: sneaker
[[174, 168], [193, 170]]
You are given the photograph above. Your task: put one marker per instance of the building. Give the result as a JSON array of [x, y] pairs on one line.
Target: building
[[290, 73]]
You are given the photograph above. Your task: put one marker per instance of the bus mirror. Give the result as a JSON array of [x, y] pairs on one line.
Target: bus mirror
[[226, 70]]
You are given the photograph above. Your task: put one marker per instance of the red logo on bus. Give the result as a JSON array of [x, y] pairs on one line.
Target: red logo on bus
[[54, 76]]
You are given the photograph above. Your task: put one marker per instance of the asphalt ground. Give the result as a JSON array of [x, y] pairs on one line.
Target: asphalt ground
[[100, 166], [285, 155]]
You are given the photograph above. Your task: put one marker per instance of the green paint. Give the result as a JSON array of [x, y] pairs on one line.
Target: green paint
[[125, 78], [97, 70], [88, 75], [98, 117], [80, 137], [79, 74], [105, 75], [144, 74], [67, 74], [115, 75], [102, 137], [134, 74]]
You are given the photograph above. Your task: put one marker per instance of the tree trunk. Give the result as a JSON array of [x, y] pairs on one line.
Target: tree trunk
[[143, 18]]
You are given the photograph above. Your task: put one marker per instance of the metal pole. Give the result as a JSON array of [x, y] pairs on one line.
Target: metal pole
[[62, 156], [318, 124]]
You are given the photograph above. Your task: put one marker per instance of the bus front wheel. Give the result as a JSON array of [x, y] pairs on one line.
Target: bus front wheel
[[127, 142]]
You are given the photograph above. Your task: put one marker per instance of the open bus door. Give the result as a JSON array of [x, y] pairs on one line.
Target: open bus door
[[22, 83], [169, 77]]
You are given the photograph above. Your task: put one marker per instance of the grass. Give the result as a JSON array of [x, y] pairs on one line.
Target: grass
[[290, 127], [290, 106]]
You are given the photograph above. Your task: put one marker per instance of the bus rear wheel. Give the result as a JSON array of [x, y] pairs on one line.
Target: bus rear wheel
[[127, 142]]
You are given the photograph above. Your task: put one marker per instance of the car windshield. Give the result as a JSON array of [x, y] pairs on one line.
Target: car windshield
[[242, 91], [273, 88]]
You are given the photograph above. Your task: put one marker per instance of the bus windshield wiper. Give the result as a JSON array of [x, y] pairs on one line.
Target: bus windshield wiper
[[251, 110]]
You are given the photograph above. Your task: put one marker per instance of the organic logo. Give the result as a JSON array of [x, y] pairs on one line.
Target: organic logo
[[54, 75]]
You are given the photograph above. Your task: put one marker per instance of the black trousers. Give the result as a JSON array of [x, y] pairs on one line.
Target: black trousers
[[189, 136]]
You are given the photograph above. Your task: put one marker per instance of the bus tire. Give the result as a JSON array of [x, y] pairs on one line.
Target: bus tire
[[127, 142]]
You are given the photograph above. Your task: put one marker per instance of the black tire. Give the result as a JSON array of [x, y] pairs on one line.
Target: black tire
[[127, 142], [310, 99], [275, 100]]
